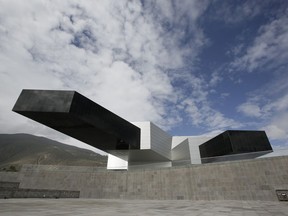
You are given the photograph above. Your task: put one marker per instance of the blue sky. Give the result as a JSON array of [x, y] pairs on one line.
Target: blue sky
[[191, 67]]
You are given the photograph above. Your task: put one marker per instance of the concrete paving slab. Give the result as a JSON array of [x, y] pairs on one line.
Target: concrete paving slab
[[87, 207]]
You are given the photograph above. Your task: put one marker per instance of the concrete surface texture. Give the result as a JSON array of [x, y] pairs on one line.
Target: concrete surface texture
[[12, 190], [83, 207], [256, 179]]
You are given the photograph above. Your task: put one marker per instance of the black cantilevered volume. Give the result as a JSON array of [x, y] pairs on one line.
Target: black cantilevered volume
[[233, 142], [77, 116]]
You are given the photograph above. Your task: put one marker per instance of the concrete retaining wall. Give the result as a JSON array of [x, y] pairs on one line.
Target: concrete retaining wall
[[238, 180], [12, 190], [36, 193]]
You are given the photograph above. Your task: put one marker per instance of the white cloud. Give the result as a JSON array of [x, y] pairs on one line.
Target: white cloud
[[118, 53], [269, 108], [267, 56], [128, 56], [249, 109], [235, 50], [79, 49], [233, 13], [269, 49], [215, 79], [267, 102], [275, 132], [224, 95], [203, 115], [277, 128], [278, 105]]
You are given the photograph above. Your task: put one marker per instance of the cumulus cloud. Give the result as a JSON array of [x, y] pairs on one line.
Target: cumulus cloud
[[266, 56], [124, 55], [243, 10], [268, 106], [202, 115], [249, 109], [276, 126], [276, 132], [269, 49], [139, 59]]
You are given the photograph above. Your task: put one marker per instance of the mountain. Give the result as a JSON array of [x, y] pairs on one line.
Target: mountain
[[19, 149]]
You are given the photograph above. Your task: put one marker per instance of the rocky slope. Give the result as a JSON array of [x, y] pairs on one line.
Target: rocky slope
[[19, 149]]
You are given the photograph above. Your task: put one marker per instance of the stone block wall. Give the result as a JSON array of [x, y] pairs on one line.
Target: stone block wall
[[256, 179], [12, 190]]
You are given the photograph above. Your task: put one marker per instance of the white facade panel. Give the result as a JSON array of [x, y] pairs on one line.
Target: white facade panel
[[181, 151], [194, 143], [176, 140], [145, 135], [159, 149], [116, 163], [149, 165], [160, 141], [154, 138]]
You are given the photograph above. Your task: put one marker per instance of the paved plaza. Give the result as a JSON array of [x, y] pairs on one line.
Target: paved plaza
[[41, 207]]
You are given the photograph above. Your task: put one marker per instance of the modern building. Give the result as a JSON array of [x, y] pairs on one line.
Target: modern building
[[235, 145], [138, 144]]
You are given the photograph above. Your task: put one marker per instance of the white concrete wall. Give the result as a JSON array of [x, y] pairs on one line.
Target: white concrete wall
[[187, 148], [182, 149], [160, 141], [136, 166], [145, 137], [154, 138], [194, 143], [115, 163], [176, 140]]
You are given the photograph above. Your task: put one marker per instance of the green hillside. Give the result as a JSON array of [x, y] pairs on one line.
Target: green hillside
[[19, 149]]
